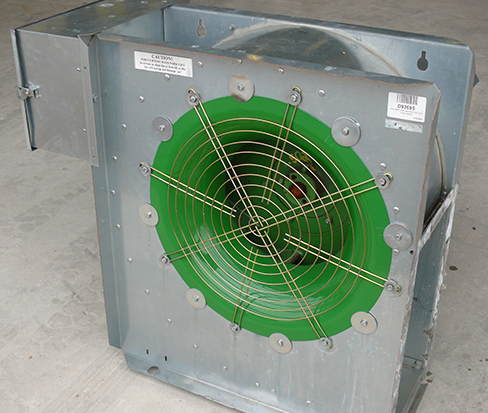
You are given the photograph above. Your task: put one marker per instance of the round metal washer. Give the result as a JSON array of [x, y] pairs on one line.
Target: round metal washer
[[346, 131], [162, 127], [241, 88], [280, 343], [397, 235], [196, 298], [363, 322], [149, 215]]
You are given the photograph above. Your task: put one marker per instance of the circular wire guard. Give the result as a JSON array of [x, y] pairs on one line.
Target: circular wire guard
[[278, 226]]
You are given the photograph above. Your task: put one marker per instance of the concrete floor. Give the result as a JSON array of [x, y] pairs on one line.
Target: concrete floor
[[54, 353]]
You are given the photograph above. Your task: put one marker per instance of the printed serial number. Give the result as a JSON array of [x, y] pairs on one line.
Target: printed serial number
[[406, 107]]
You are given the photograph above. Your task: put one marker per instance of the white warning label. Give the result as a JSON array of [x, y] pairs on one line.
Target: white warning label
[[407, 107], [172, 65]]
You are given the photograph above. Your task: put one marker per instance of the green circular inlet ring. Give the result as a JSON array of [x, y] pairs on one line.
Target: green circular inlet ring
[[275, 223]]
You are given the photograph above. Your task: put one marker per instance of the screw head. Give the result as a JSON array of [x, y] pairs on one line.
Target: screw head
[[161, 128], [396, 251], [164, 259], [193, 99], [114, 158], [345, 131], [256, 384], [141, 99], [200, 64], [398, 236], [195, 346], [240, 87], [148, 214], [196, 298], [293, 97], [321, 93], [95, 98], [364, 323], [112, 192], [118, 226], [396, 210], [169, 321], [147, 292], [224, 368], [280, 343], [124, 126], [129, 260], [281, 71], [167, 77]]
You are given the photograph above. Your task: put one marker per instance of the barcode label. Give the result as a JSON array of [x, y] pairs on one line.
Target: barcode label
[[407, 107]]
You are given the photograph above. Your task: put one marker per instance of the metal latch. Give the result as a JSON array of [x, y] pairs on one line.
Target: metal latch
[[30, 91]]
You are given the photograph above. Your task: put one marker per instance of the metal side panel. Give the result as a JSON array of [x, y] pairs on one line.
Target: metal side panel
[[57, 115]]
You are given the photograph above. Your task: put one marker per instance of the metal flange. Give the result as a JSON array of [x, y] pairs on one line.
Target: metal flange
[[196, 298], [149, 215], [398, 236], [280, 343], [346, 131], [241, 88], [363, 322]]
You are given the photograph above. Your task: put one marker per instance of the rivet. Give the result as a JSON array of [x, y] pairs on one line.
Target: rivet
[[308, 403], [78, 69], [321, 93], [124, 126], [112, 192], [224, 368], [167, 77], [395, 251], [129, 260], [195, 346], [118, 226], [345, 131], [95, 98], [147, 292], [84, 130], [256, 384], [273, 391], [114, 158], [164, 259], [239, 61], [281, 71], [396, 210], [200, 64], [232, 27], [382, 166], [141, 99], [169, 321]]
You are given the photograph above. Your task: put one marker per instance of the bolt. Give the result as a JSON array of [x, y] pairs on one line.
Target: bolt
[[345, 131], [147, 292], [382, 181], [193, 99], [293, 97], [390, 288], [326, 343], [280, 342], [124, 126], [118, 226], [129, 260], [235, 328], [196, 298], [321, 93], [164, 259], [364, 323], [398, 236], [161, 128], [141, 99], [240, 87], [148, 214]]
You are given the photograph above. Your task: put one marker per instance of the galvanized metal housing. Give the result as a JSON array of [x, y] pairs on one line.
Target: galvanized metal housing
[[113, 82]]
